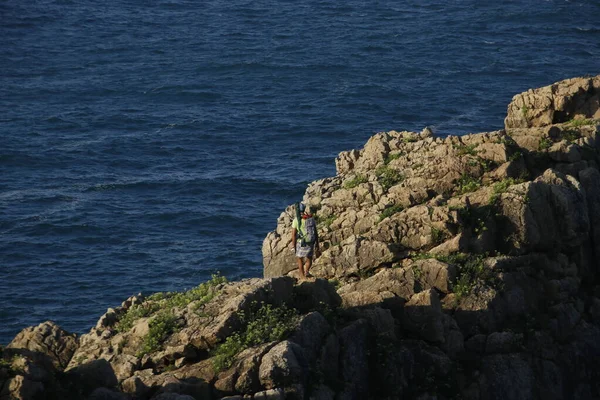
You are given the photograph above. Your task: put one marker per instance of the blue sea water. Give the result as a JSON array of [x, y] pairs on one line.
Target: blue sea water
[[146, 145]]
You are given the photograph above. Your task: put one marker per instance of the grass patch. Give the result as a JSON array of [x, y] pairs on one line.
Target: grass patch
[[524, 111], [327, 221], [545, 143], [388, 177], [437, 235], [267, 324], [576, 123], [391, 157], [388, 212], [501, 187], [167, 301], [463, 149], [354, 182], [570, 135], [467, 183], [161, 327]]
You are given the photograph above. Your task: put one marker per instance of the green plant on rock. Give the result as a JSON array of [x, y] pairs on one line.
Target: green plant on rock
[[163, 324], [470, 271], [545, 143], [576, 123], [467, 183], [389, 211], [437, 235], [391, 157], [355, 181], [465, 149], [134, 313], [570, 135], [267, 323], [525, 111], [201, 294], [326, 221], [388, 177], [501, 187]]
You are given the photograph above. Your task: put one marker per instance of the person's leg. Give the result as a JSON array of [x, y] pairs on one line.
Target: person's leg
[[307, 266], [301, 267]]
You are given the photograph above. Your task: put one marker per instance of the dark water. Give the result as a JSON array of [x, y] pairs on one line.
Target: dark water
[[146, 145]]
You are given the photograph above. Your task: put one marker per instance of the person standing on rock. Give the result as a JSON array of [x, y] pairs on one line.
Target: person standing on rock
[[304, 239]]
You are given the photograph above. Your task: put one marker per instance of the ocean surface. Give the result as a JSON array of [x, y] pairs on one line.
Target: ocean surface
[[145, 145]]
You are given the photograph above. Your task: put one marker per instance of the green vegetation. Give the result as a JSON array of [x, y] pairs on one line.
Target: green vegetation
[[576, 123], [463, 149], [327, 221], [388, 177], [525, 111], [437, 235], [470, 270], [467, 183], [501, 187], [392, 157], [163, 324], [354, 182], [409, 139], [268, 323], [161, 308], [570, 135], [545, 143], [515, 156], [133, 314], [388, 212]]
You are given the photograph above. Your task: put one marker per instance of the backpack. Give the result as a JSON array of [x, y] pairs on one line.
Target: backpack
[[311, 231]]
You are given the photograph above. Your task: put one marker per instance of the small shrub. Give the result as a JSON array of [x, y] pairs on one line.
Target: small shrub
[[570, 135], [437, 235], [134, 313], [501, 187], [409, 139], [160, 327], [467, 183], [201, 294], [545, 143], [268, 323], [388, 212], [354, 182], [388, 177], [576, 123], [392, 157], [515, 156], [525, 111], [326, 222], [463, 149]]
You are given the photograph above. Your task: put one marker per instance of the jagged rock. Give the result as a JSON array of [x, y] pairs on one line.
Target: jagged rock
[[107, 394], [93, 375], [22, 388], [376, 289], [354, 366], [173, 396], [559, 102], [435, 274], [243, 377], [46, 340], [284, 365], [312, 330], [503, 342], [507, 376], [316, 295], [423, 316], [271, 394]]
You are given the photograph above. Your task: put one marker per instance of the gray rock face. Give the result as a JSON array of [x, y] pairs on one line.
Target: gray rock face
[[48, 340]]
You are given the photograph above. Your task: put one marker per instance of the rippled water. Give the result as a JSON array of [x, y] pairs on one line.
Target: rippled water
[[146, 145]]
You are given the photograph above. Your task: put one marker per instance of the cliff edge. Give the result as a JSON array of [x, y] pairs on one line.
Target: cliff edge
[[463, 267]]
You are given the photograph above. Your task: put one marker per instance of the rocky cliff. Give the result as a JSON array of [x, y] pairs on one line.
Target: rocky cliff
[[460, 267]]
